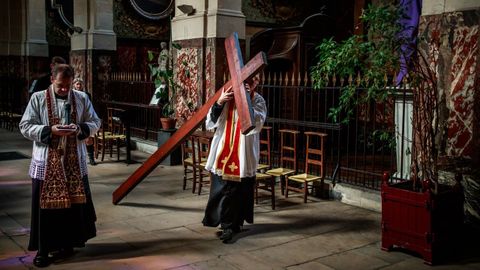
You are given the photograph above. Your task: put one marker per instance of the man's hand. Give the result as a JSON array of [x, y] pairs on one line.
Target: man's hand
[[226, 96], [252, 84], [64, 130], [247, 87]]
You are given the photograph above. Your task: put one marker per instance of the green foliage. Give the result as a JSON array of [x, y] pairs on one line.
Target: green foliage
[[150, 56], [374, 55], [385, 138], [176, 46], [168, 94]]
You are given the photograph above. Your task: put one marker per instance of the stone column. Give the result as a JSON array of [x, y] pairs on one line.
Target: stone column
[[36, 42], [456, 25], [200, 64], [23, 46], [92, 49], [22, 29]]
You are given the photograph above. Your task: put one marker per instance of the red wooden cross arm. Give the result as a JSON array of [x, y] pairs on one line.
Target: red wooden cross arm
[[251, 69], [242, 99]]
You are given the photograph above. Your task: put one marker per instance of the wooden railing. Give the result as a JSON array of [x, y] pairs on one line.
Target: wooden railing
[[132, 92]]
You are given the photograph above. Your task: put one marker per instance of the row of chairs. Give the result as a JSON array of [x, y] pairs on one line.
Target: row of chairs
[[9, 120], [287, 169], [195, 153]]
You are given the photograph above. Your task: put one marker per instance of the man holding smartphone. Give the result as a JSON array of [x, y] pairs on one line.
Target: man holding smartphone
[[58, 120]]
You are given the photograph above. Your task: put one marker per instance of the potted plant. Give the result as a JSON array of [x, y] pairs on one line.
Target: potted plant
[[165, 86], [419, 214]]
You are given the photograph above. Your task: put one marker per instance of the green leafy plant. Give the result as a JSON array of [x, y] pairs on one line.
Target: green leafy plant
[[373, 55], [386, 138], [168, 94], [376, 56]]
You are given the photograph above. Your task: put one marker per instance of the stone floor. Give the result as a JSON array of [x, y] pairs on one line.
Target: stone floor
[[158, 226]]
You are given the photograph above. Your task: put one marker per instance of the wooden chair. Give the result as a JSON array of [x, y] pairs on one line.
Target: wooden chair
[[189, 161], [13, 120], [3, 118], [113, 134], [9, 119], [5, 108], [114, 123], [265, 182], [288, 156], [314, 157], [203, 148], [265, 157]]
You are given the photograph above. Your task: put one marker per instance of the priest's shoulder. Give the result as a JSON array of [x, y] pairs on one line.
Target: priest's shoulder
[[81, 94], [258, 97], [40, 95]]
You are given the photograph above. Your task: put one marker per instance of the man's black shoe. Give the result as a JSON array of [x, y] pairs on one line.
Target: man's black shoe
[[92, 162], [41, 260], [64, 253], [61, 254], [227, 235]]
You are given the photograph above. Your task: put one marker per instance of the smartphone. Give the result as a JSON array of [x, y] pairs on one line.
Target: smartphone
[[67, 128]]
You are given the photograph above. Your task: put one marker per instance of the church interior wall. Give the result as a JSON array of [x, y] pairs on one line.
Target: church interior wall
[[269, 17], [136, 36], [458, 61], [453, 31]]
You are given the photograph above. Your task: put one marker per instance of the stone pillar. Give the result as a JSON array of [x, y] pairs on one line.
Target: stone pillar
[[200, 64], [11, 30], [35, 45], [456, 25], [23, 30], [92, 49], [36, 42], [23, 46]]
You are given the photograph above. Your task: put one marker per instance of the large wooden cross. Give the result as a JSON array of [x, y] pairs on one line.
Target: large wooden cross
[[239, 73]]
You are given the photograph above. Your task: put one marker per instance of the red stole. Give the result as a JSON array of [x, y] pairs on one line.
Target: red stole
[[228, 162]]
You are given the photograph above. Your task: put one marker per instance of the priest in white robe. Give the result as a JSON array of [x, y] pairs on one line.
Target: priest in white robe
[[58, 120], [233, 161]]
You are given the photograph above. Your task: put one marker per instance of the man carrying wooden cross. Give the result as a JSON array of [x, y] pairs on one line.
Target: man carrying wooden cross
[[238, 117], [233, 161], [233, 155], [245, 114]]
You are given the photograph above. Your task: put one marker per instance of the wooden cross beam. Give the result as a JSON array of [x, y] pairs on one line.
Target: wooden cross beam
[[242, 98], [241, 74]]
